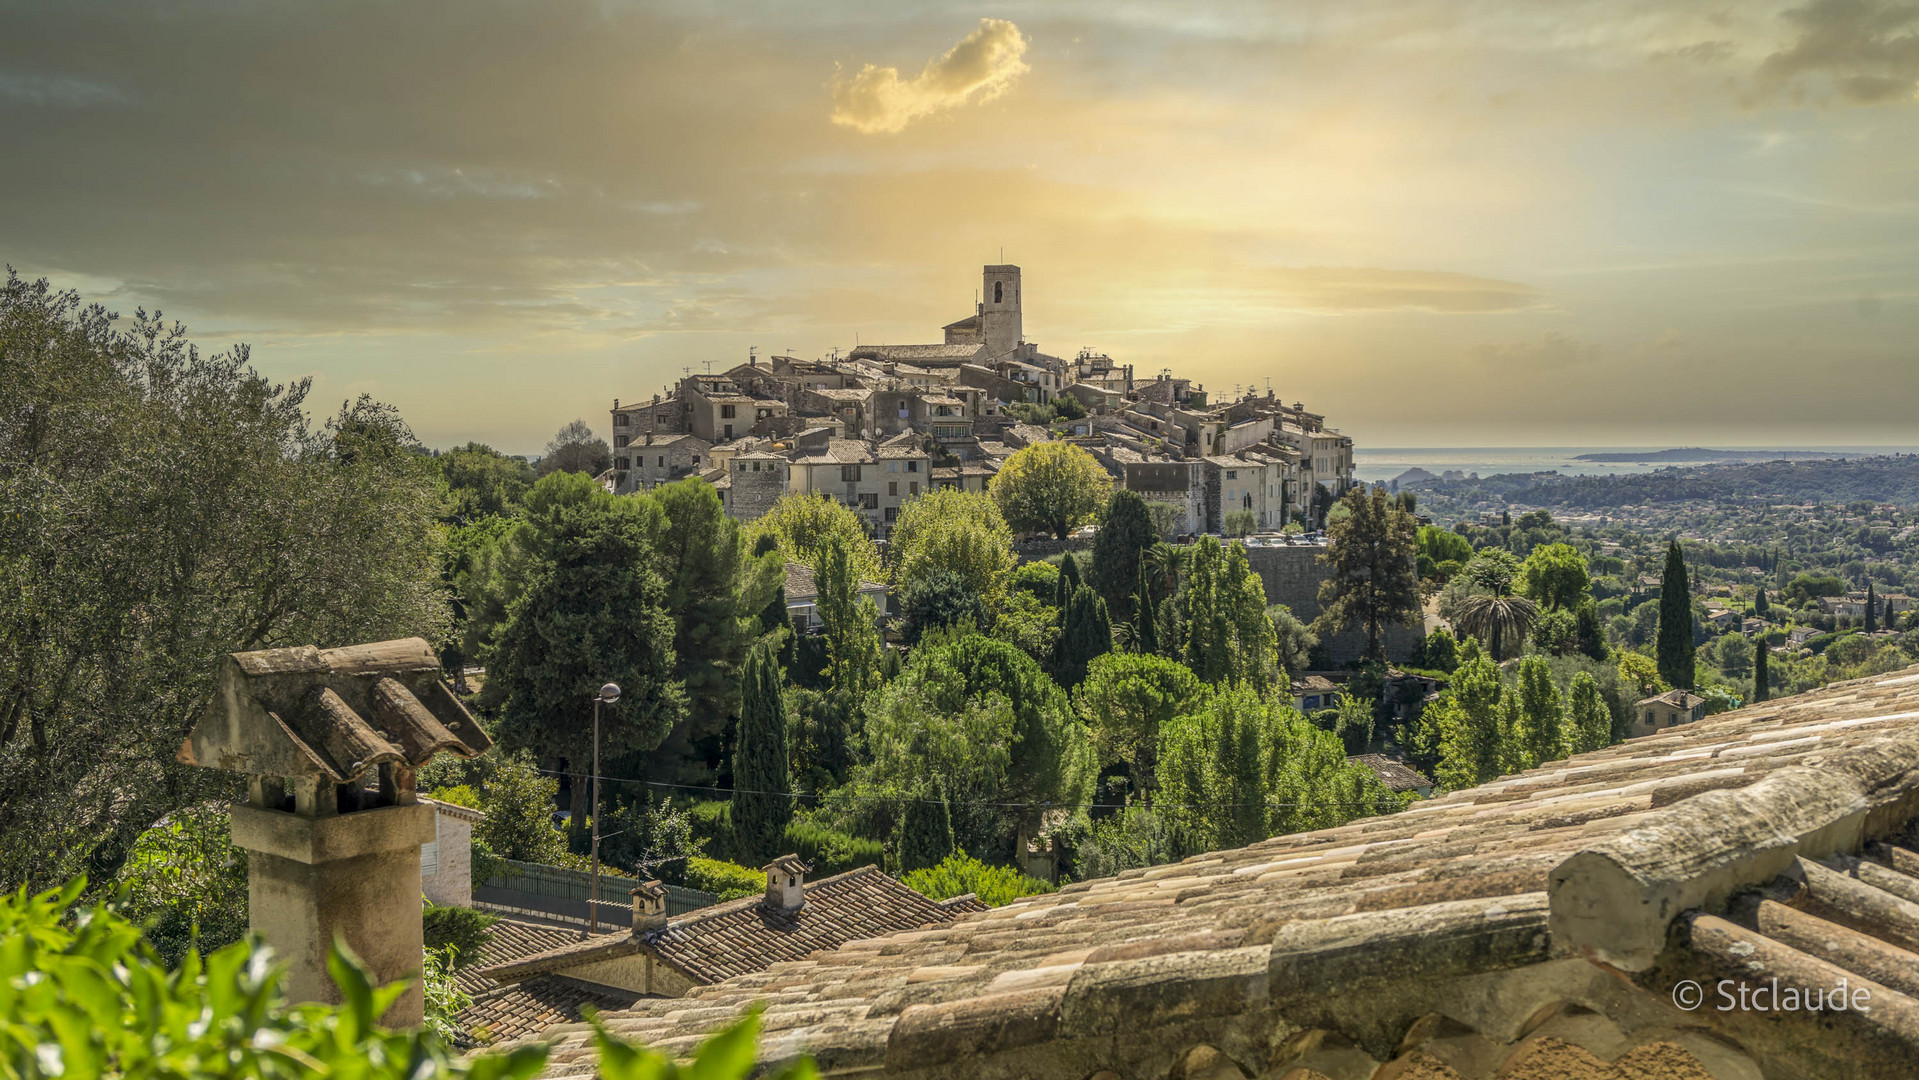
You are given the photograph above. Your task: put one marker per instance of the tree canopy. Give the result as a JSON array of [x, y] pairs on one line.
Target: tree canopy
[[574, 448], [1050, 487], [804, 525], [160, 508], [961, 532]]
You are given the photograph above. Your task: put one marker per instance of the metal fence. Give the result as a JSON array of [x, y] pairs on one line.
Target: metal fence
[[562, 893]]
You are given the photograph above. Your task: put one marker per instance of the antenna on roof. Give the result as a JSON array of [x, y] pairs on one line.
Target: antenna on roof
[[709, 366]]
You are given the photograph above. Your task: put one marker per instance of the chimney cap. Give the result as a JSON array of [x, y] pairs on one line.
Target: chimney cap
[[788, 864], [648, 889]]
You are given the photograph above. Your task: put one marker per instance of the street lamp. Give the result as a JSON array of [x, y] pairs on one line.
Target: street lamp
[[608, 693]]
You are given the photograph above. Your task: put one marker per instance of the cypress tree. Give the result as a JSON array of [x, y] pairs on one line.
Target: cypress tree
[[1125, 533], [1761, 678], [1589, 719], [1675, 622], [1760, 606], [1872, 609], [1085, 632], [1542, 713], [761, 807], [1145, 619], [1068, 581], [925, 833]]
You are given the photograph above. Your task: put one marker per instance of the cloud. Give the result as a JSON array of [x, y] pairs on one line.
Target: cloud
[[1868, 49], [985, 62], [1370, 289]]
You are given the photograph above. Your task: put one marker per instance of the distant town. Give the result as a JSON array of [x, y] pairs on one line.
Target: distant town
[[884, 423]]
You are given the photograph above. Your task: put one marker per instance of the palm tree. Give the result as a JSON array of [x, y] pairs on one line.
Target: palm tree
[[1496, 614]]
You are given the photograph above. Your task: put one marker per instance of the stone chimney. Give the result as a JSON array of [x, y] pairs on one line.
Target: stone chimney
[[328, 854], [649, 907], [786, 883]]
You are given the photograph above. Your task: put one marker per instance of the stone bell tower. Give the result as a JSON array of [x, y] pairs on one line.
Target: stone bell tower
[[329, 741], [999, 310]]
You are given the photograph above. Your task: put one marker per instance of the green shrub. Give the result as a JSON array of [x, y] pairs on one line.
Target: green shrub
[[713, 822], [729, 881], [464, 929], [830, 850], [83, 995], [960, 874], [458, 795]]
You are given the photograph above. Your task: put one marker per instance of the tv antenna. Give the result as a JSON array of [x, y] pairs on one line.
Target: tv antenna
[[709, 366]]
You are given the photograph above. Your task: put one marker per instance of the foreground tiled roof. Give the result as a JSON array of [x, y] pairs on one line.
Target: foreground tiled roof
[[746, 936], [1617, 867]]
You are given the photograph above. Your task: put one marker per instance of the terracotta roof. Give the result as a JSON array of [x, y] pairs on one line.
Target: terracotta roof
[[1611, 870], [1679, 699], [917, 352], [502, 1011], [1395, 774], [525, 1008], [745, 936], [455, 810], [509, 940]]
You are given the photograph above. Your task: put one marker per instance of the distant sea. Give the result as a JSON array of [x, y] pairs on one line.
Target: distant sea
[[1384, 463]]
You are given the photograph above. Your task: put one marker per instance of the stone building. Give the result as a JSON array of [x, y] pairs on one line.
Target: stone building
[[753, 481], [647, 461], [1663, 908]]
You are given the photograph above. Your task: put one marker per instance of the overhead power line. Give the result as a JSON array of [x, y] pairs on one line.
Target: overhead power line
[[1373, 804]]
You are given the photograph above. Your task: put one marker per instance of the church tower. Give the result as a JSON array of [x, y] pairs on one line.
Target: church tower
[[999, 311]]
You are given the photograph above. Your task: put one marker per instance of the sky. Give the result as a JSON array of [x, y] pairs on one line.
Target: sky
[[1439, 222]]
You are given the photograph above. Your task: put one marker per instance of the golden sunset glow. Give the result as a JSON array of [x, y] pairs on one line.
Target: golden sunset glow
[[1438, 222]]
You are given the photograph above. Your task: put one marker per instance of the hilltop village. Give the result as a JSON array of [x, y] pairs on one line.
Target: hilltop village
[[884, 423]]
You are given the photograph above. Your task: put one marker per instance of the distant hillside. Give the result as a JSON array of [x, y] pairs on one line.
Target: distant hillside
[[1888, 479], [1700, 455]]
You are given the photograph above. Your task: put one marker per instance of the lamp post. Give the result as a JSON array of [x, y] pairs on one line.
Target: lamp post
[[608, 693]]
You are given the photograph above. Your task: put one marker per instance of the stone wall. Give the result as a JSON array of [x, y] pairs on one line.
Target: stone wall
[[1292, 575]]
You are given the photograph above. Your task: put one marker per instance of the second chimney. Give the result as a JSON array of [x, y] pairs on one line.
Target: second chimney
[[786, 883], [649, 907]]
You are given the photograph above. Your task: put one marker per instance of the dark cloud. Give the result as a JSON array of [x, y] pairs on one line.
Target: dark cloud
[[1868, 49]]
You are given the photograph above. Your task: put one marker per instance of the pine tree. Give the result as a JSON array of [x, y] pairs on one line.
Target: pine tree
[[1872, 609], [761, 774], [1145, 619], [1674, 650], [925, 832], [1761, 677], [1068, 581], [1085, 632]]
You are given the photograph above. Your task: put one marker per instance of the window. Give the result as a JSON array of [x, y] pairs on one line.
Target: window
[[849, 473], [726, 412], [869, 501], [619, 440], [913, 487], [999, 294], [619, 463], [912, 466], [729, 431], [619, 419], [1232, 474], [662, 461], [892, 514], [696, 461], [892, 488]]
